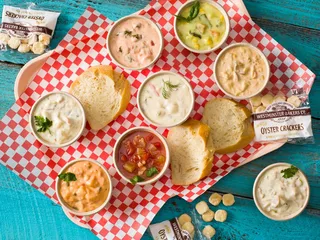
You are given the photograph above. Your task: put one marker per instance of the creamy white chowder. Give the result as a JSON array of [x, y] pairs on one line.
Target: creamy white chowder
[[166, 99], [281, 197], [65, 115]]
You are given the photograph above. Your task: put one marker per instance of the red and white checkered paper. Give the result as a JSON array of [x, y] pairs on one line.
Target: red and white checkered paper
[[132, 208]]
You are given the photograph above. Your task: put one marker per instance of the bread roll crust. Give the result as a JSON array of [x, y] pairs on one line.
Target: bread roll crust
[[103, 93], [230, 124], [191, 152]]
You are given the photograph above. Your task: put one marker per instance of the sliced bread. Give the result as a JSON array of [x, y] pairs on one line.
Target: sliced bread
[[191, 152], [230, 124], [103, 93]]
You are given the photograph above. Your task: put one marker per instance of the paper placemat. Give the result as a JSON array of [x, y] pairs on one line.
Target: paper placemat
[[132, 208]]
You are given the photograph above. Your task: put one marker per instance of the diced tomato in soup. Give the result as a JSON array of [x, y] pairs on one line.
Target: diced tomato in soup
[[141, 154]]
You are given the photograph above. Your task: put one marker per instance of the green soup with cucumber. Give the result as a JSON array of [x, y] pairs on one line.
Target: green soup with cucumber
[[201, 26]]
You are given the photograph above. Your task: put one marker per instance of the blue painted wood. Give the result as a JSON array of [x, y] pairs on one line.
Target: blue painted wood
[[296, 12], [27, 214], [36, 217], [245, 221]]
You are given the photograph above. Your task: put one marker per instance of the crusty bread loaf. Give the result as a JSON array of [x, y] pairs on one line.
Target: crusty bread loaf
[[103, 93], [230, 124], [191, 152]]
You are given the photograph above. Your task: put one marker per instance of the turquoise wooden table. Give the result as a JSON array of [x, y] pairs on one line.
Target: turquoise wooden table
[[27, 214]]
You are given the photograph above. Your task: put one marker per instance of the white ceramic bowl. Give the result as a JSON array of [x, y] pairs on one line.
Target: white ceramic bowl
[[182, 79], [221, 10], [137, 129], [262, 56], [34, 131], [152, 24], [255, 187], [66, 206]]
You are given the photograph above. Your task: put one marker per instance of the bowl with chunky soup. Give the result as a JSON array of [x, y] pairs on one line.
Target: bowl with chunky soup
[[141, 155], [241, 70], [201, 26], [281, 191], [83, 187], [165, 99], [134, 42], [57, 119]]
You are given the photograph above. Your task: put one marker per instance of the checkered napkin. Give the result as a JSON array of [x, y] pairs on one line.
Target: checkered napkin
[[131, 209]]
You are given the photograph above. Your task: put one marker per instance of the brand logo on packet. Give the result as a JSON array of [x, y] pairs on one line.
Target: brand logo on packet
[[169, 230], [26, 29], [282, 120], [28, 16], [281, 112]]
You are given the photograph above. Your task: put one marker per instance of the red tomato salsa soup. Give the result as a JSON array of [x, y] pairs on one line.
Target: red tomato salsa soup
[[141, 156]]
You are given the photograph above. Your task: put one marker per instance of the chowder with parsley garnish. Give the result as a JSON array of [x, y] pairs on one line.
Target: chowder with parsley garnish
[[57, 119], [201, 25], [84, 186], [165, 99], [281, 191]]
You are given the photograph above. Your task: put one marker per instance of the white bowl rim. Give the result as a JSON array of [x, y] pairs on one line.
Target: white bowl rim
[[65, 205], [220, 9], [264, 59], [146, 129], [34, 132], [180, 77], [159, 35], [255, 186]]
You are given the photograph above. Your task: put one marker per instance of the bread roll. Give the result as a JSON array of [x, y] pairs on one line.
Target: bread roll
[[230, 124], [103, 93], [191, 152]]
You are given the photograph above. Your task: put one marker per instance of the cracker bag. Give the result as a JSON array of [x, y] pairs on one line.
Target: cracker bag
[[278, 117], [26, 29]]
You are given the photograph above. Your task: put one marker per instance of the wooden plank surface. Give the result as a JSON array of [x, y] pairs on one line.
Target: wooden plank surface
[[295, 24], [32, 213], [304, 13]]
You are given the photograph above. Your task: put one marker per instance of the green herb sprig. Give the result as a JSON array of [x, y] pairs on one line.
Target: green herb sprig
[[289, 172], [42, 123], [167, 88], [137, 36], [127, 33], [136, 179], [194, 11], [67, 177], [152, 171], [195, 34]]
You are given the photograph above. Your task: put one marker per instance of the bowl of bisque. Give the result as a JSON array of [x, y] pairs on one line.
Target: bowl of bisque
[[57, 119], [281, 191], [201, 26], [135, 42], [165, 99], [241, 71], [141, 156], [83, 187]]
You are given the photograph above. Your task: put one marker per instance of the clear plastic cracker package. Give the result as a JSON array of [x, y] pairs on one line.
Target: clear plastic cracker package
[[132, 208], [26, 29], [277, 117], [187, 226]]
